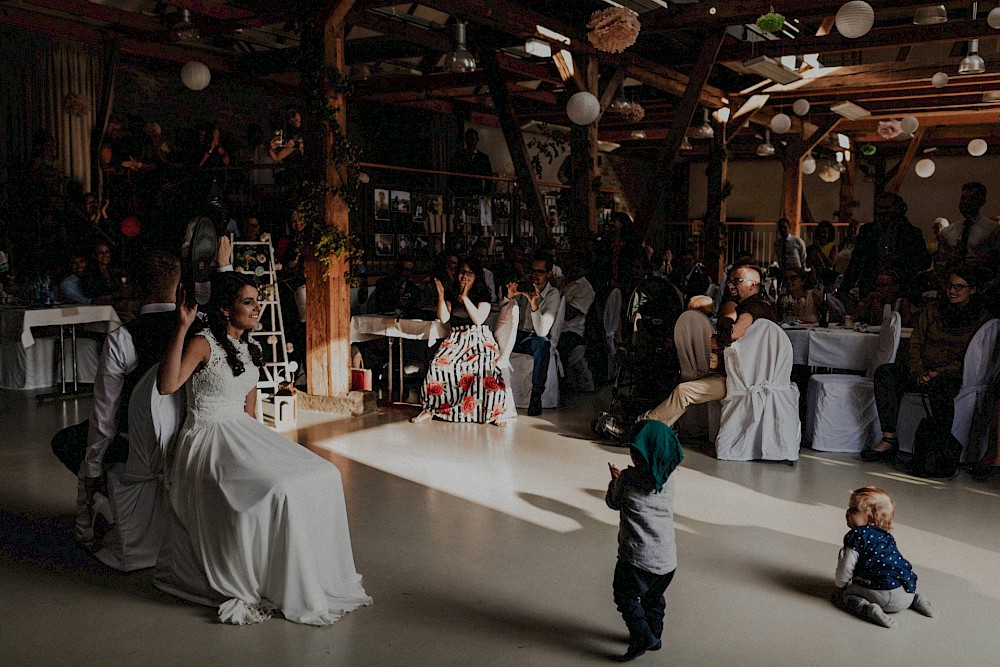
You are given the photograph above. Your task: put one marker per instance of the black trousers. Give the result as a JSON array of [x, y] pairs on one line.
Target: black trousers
[[639, 599], [893, 380]]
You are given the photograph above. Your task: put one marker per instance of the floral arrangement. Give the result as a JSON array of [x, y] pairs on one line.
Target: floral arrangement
[[771, 22], [613, 29]]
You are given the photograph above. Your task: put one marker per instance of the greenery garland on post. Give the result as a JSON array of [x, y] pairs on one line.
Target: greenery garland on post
[[319, 83]]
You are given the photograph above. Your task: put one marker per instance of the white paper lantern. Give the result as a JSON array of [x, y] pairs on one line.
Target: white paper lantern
[[909, 124], [808, 165], [800, 107], [977, 147], [196, 75], [583, 108], [781, 123], [925, 168], [939, 80], [855, 19], [829, 173], [993, 18]]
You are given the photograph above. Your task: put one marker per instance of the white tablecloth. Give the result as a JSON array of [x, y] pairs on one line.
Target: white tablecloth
[[21, 320], [370, 327], [844, 349]]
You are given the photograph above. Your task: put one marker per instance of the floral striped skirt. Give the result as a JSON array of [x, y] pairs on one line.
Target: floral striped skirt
[[463, 382]]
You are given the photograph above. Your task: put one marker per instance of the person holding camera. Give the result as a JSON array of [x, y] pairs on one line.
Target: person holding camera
[[538, 302]]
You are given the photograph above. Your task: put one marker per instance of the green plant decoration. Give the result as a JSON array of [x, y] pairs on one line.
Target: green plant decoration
[[770, 22], [868, 150]]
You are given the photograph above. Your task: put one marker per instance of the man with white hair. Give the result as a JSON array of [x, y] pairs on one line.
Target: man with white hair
[[744, 285]]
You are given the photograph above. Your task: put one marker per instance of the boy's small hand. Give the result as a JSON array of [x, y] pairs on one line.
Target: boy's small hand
[[614, 470]]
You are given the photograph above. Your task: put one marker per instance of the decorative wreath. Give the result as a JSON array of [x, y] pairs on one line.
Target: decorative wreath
[[868, 150], [75, 104], [770, 22], [613, 29]]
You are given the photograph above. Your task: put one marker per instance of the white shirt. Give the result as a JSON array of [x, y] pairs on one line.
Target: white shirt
[[540, 321], [118, 359], [580, 295], [984, 242], [795, 252]]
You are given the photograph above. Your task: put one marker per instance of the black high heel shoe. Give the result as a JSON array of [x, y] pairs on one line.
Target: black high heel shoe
[[871, 455]]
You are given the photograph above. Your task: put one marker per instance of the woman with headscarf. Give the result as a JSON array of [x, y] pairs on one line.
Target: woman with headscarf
[[643, 494]]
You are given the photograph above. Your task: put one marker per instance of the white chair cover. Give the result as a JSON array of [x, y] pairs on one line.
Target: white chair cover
[[840, 409], [693, 340], [505, 334], [136, 490], [760, 413], [970, 426], [521, 366], [612, 315]]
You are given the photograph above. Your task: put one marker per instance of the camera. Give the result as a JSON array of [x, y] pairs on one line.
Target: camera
[[525, 284]]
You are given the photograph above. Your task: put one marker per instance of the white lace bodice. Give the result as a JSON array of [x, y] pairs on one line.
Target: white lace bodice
[[214, 393]]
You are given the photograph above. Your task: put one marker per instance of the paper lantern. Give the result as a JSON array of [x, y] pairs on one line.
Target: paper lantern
[[781, 123], [829, 173], [808, 165], [993, 18], [939, 80], [131, 227], [977, 147], [196, 75], [855, 19], [909, 124], [925, 168], [583, 108], [800, 107]]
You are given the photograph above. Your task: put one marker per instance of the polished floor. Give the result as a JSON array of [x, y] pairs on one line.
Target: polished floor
[[489, 546]]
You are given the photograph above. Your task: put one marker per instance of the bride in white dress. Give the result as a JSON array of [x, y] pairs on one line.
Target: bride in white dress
[[258, 523]]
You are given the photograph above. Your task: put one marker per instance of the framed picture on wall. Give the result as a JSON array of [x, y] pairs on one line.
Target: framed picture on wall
[[401, 202], [418, 204], [381, 203], [421, 247], [403, 244], [384, 245]]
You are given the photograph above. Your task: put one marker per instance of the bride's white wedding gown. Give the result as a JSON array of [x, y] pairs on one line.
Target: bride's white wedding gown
[[258, 523]]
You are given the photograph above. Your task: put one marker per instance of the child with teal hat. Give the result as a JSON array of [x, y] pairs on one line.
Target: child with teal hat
[[643, 494]]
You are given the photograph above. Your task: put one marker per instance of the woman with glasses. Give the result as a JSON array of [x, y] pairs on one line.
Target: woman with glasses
[[464, 383], [937, 351], [799, 301]]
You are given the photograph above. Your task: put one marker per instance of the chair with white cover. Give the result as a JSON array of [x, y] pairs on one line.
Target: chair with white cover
[[970, 425], [693, 340], [521, 366], [136, 488], [840, 409], [505, 334], [612, 315], [760, 413]]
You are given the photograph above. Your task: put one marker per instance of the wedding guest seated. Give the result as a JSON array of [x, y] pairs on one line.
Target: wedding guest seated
[[886, 292], [396, 291], [73, 288], [800, 301], [537, 308], [745, 286], [936, 354], [446, 272], [579, 294], [481, 251]]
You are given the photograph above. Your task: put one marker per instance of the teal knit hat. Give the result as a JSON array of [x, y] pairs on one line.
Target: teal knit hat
[[659, 447]]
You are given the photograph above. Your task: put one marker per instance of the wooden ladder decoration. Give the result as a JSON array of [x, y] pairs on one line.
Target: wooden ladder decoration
[[257, 258]]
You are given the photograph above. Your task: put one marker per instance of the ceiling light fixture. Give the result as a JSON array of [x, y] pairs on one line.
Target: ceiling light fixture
[[686, 144], [973, 63], [766, 149], [772, 69], [460, 60], [850, 110], [705, 130], [185, 30], [930, 15]]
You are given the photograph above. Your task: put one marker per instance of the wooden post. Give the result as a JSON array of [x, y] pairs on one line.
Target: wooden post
[[791, 199], [583, 153], [328, 318]]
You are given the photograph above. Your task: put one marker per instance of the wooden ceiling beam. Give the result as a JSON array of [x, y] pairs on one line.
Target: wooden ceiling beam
[[431, 39]]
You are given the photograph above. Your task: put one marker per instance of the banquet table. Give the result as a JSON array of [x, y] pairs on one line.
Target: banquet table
[[834, 347], [395, 330], [29, 362]]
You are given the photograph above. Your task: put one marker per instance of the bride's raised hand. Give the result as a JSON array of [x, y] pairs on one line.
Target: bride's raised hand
[[186, 310]]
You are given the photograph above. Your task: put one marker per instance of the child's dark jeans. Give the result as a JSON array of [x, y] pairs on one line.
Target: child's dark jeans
[[639, 598]]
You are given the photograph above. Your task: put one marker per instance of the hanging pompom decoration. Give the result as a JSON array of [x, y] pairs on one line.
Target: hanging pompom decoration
[[977, 147], [925, 168], [131, 227], [583, 108], [613, 29], [196, 75], [889, 129], [781, 123], [632, 112], [868, 150], [855, 19], [75, 104], [770, 22], [939, 80], [800, 107]]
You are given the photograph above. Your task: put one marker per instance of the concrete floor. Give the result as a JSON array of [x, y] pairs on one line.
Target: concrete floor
[[492, 546]]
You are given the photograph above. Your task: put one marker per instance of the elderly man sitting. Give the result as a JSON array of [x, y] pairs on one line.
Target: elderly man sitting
[[744, 285]]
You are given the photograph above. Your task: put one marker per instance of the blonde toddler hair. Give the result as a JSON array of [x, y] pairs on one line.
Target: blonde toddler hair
[[876, 505]]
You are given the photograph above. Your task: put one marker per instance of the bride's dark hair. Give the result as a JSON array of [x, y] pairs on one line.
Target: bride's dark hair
[[226, 288]]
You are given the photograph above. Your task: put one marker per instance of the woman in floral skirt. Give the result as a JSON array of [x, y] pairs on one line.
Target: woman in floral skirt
[[463, 382]]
